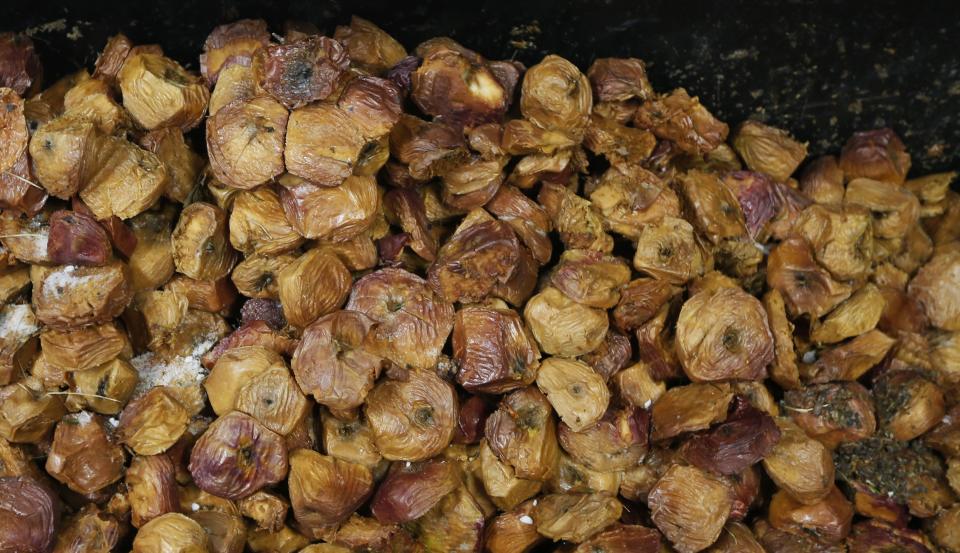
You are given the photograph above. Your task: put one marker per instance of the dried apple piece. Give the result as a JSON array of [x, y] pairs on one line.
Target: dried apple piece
[[522, 432], [689, 408], [500, 482], [577, 393], [201, 248], [799, 464], [618, 441], [82, 456], [226, 532], [744, 438], [590, 277], [125, 182], [152, 423], [669, 250], [256, 276], [64, 154], [822, 180], [849, 360], [369, 46], [716, 211], [232, 44], [494, 350], [829, 519], [27, 412], [410, 490], [522, 282], [806, 287], [690, 507], [158, 92], [683, 120], [13, 129], [573, 477], [575, 517], [636, 386], [555, 95], [521, 137], [18, 345], [832, 413], [29, 514], [233, 370], [472, 260], [575, 219], [513, 531], [768, 150], [274, 399], [302, 71], [724, 335], [457, 85], [527, 219], [908, 405], [611, 356], [408, 208], [428, 149], [235, 82], [212, 296], [151, 262], [629, 198], [315, 284], [619, 79], [878, 154], [323, 144], [894, 209], [562, 326], [70, 296], [20, 67], [78, 239], [934, 286], [266, 509], [350, 440], [855, 316], [83, 349], [90, 530], [93, 100], [332, 362], [474, 183], [412, 322], [245, 141], [171, 532], [455, 522], [412, 419], [324, 491], [151, 488], [19, 190], [334, 214], [640, 300], [943, 530], [237, 456], [258, 224]]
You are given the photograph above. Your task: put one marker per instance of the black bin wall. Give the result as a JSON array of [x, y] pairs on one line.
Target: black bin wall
[[820, 69]]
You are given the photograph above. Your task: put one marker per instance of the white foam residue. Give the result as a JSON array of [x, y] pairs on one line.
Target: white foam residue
[[525, 519], [48, 27], [810, 356], [66, 277], [19, 322], [155, 371], [83, 417]]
